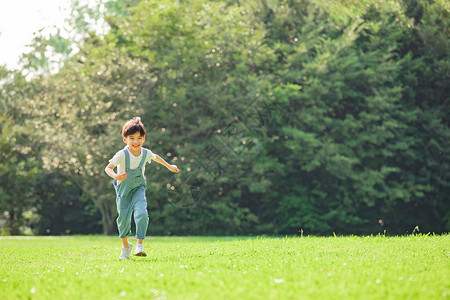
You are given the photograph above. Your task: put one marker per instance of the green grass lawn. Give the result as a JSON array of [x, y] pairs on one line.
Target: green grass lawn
[[88, 267]]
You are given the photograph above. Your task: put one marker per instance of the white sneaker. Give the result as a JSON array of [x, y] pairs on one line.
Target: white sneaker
[[126, 251], [139, 250]]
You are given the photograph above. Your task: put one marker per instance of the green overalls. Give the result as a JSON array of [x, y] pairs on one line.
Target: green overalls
[[131, 198]]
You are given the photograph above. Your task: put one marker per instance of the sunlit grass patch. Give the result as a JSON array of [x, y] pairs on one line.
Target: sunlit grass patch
[[412, 267]]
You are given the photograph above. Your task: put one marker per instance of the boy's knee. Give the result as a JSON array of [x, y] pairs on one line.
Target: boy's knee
[[140, 213]]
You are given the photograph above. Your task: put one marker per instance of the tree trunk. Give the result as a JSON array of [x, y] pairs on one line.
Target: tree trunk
[[108, 219], [13, 224]]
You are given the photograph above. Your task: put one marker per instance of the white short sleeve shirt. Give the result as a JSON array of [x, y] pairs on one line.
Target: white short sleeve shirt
[[119, 160]]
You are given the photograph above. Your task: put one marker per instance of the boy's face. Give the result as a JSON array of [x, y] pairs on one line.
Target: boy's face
[[134, 141]]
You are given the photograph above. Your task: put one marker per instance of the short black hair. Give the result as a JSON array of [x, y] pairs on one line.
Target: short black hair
[[132, 126]]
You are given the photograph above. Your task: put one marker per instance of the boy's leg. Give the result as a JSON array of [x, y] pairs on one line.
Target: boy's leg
[[141, 220], [124, 210], [124, 226], [140, 214], [125, 243]]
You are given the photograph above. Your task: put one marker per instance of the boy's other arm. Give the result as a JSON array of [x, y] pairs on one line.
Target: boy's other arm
[[161, 161], [110, 171]]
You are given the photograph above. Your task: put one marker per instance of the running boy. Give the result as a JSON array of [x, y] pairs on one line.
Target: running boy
[[130, 184]]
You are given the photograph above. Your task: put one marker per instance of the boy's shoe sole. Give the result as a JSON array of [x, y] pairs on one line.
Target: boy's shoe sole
[[140, 254]]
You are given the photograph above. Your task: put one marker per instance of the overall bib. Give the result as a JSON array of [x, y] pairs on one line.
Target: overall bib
[[131, 198]]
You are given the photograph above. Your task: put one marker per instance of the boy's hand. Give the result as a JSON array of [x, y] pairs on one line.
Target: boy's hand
[[121, 176], [174, 168]]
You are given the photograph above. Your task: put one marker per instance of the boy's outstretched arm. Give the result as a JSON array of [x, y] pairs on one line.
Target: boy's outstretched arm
[[161, 161]]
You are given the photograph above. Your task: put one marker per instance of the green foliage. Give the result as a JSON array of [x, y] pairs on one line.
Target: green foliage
[[327, 116], [18, 176], [61, 208], [353, 124]]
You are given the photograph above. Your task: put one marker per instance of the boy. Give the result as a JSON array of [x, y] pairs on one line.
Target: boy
[[130, 184]]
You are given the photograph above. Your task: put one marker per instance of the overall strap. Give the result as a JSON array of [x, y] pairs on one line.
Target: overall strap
[[143, 158], [127, 159]]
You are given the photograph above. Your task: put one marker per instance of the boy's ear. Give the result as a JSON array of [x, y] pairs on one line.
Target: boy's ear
[[124, 139]]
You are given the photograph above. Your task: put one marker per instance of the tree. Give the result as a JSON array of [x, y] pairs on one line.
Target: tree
[[354, 144], [316, 115], [18, 174]]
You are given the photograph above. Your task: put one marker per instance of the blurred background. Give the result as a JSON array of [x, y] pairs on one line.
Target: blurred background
[[284, 117]]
